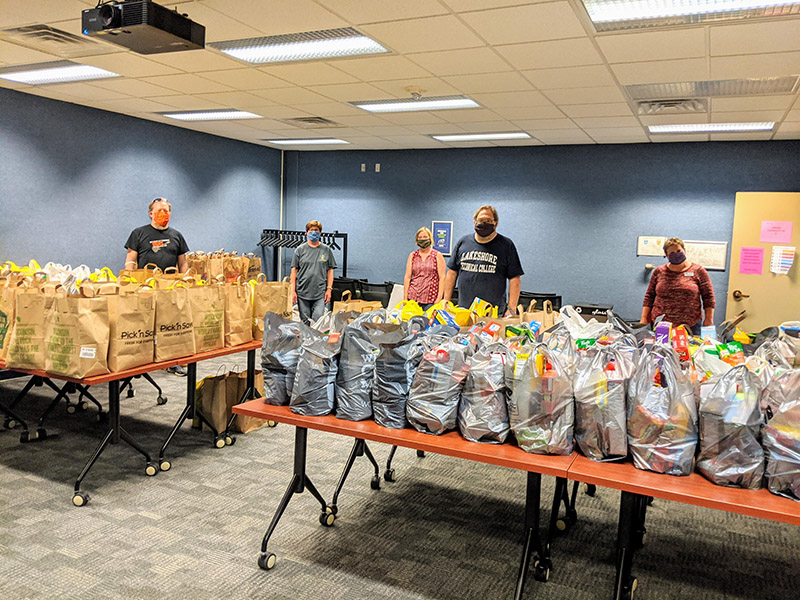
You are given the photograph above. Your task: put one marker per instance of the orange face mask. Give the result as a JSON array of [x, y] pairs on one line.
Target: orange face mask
[[161, 218]]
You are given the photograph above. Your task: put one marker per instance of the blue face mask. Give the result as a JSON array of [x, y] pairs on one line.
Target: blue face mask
[[314, 236]]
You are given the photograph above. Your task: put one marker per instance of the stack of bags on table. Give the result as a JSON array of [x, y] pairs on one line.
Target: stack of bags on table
[[606, 388], [79, 327], [229, 265]]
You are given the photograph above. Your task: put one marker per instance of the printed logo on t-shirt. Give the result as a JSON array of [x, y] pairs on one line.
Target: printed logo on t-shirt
[[157, 245], [323, 258], [476, 261]]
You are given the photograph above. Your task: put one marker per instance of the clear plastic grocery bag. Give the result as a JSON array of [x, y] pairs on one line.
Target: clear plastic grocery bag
[[782, 435], [432, 405], [778, 351], [280, 352], [662, 414], [562, 345], [730, 420], [541, 407], [600, 397], [399, 353], [483, 409], [356, 374], [312, 392]]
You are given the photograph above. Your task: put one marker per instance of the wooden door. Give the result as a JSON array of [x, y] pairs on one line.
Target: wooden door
[[769, 299]]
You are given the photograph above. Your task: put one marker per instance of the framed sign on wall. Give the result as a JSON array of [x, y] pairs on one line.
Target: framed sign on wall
[[443, 236]]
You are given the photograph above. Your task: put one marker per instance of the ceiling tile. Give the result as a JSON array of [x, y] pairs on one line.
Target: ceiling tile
[[128, 64], [528, 23], [731, 137], [779, 35], [618, 135], [363, 120], [786, 135], [86, 90], [562, 136], [414, 141], [132, 87], [386, 130], [461, 62], [188, 84], [567, 77], [489, 82], [662, 71], [430, 86], [32, 12], [490, 127], [511, 99], [377, 68], [373, 143], [750, 116], [136, 105], [586, 123], [277, 111], [697, 137], [308, 73], [292, 96], [544, 124], [19, 55], [793, 115], [245, 79], [587, 95], [677, 119], [332, 109], [789, 128], [369, 11], [653, 45], [281, 17], [412, 118], [545, 55], [530, 112], [423, 35], [193, 61], [752, 103], [467, 115], [522, 142], [240, 100], [468, 5], [436, 128], [755, 65], [186, 102], [612, 109], [350, 92]]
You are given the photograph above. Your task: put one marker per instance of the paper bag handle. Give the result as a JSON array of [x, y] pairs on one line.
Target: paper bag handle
[[346, 295]]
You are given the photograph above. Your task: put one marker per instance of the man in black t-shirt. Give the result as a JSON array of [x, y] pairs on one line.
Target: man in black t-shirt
[[482, 262], [157, 242]]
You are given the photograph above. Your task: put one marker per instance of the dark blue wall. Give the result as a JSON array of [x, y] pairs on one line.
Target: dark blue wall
[[574, 212], [74, 181]]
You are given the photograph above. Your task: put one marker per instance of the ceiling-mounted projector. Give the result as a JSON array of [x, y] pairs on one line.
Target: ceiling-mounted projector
[[143, 26]]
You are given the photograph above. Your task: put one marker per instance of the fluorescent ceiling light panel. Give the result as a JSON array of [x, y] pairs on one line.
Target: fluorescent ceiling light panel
[[613, 15], [716, 88], [410, 104], [225, 114], [60, 71], [306, 142], [712, 128], [478, 137], [312, 45]]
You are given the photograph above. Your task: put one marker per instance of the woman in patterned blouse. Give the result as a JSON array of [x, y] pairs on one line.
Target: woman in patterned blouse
[[424, 272], [676, 290]]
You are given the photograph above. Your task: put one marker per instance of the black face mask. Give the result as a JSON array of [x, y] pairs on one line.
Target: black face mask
[[484, 229], [423, 243]]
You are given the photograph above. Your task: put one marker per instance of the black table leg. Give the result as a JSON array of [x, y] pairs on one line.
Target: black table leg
[[631, 516], [112, 436], [299, 483], [533, 540], [12, 420]]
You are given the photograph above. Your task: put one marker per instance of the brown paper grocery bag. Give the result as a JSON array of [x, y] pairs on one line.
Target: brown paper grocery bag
[[208, 314], [359, 306], [253, 267], [7, 304], [237, 385], [132, 319], [76, 336], [139, 275], [238, 314], [546, 316], [174, 329], [198, 262], [269, 296], [214, 267], [26, 344], [212, 399]]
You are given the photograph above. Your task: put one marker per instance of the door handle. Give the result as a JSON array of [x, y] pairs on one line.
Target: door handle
[[738, 295]]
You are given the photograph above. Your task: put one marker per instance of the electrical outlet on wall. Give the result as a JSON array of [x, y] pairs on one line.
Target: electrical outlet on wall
[[377, 167], [363, 167]]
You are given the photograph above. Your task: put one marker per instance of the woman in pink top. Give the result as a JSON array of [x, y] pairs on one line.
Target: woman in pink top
[[424, 272], [680, 290]]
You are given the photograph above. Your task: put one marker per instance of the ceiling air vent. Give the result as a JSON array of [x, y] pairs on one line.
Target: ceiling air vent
[[672, 107], [311, 122], [54, 41]]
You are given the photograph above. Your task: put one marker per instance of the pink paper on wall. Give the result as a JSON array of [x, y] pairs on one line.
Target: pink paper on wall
[[751, 261], [776, 232]]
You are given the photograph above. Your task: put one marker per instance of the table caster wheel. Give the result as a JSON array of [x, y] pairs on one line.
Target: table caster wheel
[[541, 571], [230, 440], [164, 465], [589, 489], [272, 423], [562, 524], [151, 470], [26, 436], [101, 417], [266, 560], [41, 434], [219, 442], [332, 508], [630, 589], [375, 482], [80, 499], [71, 409], [161, 400], [131, 393], [9, 423], [420, 454], [83, 405], [388, 475], [327, 519]]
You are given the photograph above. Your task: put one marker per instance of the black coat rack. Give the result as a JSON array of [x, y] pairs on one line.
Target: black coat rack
[[285, 238]]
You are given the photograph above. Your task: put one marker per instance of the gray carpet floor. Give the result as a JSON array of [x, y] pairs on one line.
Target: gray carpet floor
[[447, 529]]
